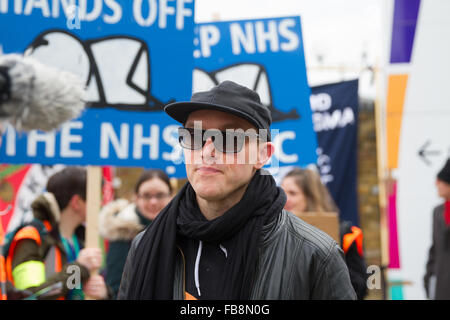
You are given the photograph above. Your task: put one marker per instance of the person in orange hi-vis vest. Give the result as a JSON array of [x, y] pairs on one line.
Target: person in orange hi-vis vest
[[3, 295], [46, 256]]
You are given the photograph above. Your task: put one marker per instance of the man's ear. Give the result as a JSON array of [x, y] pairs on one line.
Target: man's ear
[[75, 202], [265, 151]]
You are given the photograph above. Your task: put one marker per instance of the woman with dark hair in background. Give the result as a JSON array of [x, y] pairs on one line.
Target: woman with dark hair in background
[[306, 193], [121, 221]]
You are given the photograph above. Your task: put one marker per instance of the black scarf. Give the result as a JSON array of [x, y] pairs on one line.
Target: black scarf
[[239, 229]]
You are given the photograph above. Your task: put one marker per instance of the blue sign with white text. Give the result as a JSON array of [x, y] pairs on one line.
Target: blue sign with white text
[[335, 117], [135, 57], [267, 56]]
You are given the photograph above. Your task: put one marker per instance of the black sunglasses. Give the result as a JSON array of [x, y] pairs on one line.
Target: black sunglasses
[[229, 141]]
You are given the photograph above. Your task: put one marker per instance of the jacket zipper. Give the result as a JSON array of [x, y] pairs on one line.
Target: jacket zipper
[[184, 273]]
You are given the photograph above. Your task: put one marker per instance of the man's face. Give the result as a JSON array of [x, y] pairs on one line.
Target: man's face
[[215, 175], [443, 189], [296, 199], [153, 195]]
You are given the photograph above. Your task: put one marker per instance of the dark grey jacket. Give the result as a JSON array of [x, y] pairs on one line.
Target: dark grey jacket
[[437, 276], [296, 261]]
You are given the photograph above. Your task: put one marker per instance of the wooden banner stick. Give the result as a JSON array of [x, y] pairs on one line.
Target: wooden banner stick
[[93, 203]]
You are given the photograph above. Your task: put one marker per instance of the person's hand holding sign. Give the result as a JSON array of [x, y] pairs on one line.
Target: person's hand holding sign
[[95, 287], [91, 258]]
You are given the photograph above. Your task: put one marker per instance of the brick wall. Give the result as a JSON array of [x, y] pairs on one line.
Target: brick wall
[[369, 210]]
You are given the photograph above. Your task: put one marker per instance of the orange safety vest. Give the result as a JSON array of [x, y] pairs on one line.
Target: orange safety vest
[[3, 295], [189, 296], [355, 236], [54, 264], [2, 234]]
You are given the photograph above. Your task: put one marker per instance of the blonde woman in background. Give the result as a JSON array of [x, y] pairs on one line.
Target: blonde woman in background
[[307, 194]]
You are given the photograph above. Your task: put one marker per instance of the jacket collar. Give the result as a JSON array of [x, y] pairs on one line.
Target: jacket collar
[[45, 207], [119, 220]]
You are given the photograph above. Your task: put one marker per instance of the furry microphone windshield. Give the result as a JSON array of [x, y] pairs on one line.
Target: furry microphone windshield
[[36, 96]]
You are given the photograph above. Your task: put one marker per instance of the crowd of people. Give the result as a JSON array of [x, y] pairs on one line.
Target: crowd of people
[[229, 233]]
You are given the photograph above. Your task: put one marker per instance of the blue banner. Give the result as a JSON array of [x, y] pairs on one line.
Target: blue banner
[[135, 56], [267, 56], [335, 118]]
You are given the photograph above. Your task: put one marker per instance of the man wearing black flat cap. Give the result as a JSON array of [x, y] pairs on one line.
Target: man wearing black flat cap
[[437, 277], [225, 234]]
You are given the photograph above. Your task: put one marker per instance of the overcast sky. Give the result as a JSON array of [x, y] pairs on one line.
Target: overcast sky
[[345, 33]]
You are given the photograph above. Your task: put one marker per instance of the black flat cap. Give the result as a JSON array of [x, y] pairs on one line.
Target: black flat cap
[[227, 97]]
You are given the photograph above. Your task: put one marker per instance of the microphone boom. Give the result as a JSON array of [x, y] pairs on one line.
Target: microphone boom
[[37, 96]]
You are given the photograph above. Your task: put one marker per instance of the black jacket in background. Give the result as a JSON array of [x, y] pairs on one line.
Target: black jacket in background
[[438, 265], [356, 264]]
